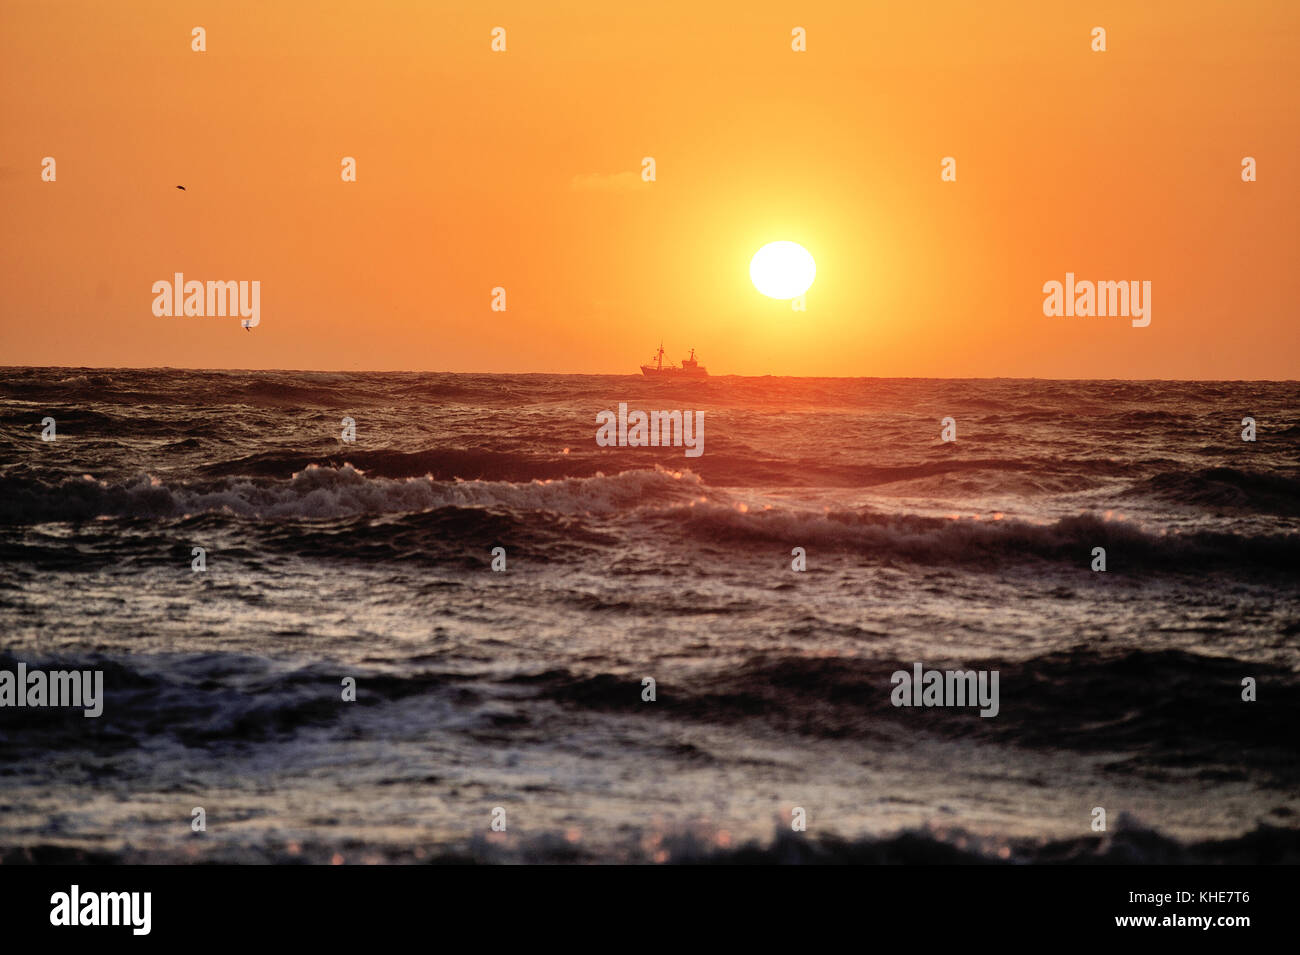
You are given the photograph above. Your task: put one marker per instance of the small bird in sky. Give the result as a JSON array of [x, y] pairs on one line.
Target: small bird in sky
[[181, 188]]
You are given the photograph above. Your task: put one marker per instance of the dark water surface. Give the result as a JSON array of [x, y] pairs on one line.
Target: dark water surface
[[522, 689]]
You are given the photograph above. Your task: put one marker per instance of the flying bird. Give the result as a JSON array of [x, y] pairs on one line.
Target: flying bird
[[181, 188]]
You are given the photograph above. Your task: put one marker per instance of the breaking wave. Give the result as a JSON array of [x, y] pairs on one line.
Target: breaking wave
[[673, 504], [328, 493]]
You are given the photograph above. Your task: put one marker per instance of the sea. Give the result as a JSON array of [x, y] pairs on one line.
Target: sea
[[413, 617]]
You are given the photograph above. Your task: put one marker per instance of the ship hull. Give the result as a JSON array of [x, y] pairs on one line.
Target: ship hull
[[652, 372]]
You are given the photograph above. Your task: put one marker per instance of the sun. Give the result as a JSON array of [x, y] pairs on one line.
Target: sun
[[782, 270]]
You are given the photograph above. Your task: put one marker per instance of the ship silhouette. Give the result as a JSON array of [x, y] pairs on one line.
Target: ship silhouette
[[690, 368]]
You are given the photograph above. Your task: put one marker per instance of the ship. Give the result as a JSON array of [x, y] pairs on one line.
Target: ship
[[690, 368]]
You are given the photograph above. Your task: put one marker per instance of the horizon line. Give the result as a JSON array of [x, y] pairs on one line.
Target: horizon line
[[587, 374]]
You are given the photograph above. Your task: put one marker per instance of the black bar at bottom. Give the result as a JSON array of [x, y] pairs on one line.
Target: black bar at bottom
[[303, 904]]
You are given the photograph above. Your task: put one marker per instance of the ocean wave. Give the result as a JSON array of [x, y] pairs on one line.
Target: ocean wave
[[328, 493], [985, 539], [734, 464], [462, 536], [200, 699], [673, 506], [1225, 488], [443, 464], [260, 391], [1165, 709], [1127, 842]]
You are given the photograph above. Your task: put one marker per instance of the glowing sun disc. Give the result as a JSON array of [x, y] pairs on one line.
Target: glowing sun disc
[[782, 270]]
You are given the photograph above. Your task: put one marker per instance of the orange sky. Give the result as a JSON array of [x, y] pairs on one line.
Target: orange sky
[[522, 170]]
